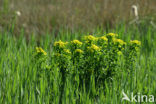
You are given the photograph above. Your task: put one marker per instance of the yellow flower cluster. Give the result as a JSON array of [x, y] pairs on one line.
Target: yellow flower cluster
[[136, 42], [119, 41], [93, 48], [60, 44], [90, 38], [67, 51], [76, 42], [78, 51], [94, 44], [103, 38], [40, 50], [113, 35]]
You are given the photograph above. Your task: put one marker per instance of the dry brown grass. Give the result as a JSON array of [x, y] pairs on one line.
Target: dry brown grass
[[40, 16]]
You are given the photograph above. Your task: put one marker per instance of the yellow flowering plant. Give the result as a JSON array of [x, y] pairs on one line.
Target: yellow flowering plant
[[39, 50], [62, 59], [93, 56], [76, 43], [77, 57], [135, 44], [103, 40], [60, 45], [78, 51], [93, 48], [40, 60], [111, 35], [62, 54], [90, 39], [131, 54], [40, 55], [67, 51]]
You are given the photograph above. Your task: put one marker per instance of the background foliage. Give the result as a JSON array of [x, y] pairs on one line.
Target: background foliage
[[42, 16]]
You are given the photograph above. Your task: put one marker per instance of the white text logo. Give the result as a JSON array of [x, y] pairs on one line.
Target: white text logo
[[138, 97]]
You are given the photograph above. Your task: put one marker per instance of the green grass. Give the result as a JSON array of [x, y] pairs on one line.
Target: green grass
[[19, 83]]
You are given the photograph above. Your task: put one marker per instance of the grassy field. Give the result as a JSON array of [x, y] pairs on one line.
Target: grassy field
[[67, 52], [23, 80]]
